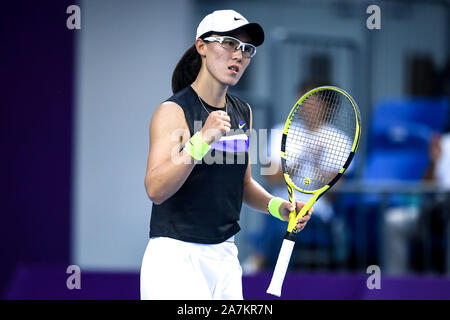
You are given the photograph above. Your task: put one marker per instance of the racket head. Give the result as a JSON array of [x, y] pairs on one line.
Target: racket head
[[320, 138]]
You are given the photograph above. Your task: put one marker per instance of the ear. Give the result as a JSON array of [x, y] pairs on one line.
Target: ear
[[200, 45]]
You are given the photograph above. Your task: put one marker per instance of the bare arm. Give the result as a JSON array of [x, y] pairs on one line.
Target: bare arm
[[434, 153], [167, 167], [255, 195]]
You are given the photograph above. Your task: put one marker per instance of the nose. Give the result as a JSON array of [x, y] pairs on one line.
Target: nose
[[238, 54]]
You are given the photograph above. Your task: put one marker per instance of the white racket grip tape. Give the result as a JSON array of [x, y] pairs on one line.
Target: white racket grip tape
[[281, 267]]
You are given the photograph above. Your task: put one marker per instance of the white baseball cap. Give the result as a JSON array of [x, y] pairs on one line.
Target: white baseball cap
[[223, 22]]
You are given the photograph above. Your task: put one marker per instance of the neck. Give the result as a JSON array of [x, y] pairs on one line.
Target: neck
[[210, 90]]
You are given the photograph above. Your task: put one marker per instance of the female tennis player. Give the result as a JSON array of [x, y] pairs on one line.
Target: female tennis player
[[198, 170]]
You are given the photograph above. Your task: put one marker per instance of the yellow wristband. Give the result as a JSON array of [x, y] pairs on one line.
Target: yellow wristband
[[274, 207], [196, 147]]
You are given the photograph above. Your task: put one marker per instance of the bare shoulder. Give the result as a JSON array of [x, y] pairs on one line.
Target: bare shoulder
[[169, 115], [251, 116], [249, 108], [170, 110], [168, 121]]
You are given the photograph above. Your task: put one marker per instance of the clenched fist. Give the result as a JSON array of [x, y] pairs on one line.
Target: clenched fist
[[217, 125]]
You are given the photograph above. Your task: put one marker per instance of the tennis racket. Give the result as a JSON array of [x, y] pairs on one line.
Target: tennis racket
[[319, 140]]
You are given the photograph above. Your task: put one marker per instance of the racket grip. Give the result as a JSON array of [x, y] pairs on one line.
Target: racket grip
[[281, 267]]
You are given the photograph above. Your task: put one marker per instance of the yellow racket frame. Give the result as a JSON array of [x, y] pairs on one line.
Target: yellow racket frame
[[293, 216]]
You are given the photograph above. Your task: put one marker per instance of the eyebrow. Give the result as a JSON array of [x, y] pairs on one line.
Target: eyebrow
[[246, 39]]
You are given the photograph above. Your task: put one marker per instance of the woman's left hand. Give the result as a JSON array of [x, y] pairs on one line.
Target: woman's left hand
[[286, 208]]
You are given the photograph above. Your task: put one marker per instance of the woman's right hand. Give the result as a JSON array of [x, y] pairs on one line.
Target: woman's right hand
[[217, 125]]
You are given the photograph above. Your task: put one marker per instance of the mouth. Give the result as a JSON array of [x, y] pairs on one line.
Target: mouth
[[234, 69]]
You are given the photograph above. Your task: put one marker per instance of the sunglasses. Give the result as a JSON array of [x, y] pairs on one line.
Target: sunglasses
[[232, 44]]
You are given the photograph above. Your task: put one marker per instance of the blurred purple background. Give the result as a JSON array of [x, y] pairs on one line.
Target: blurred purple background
[[36, 135]]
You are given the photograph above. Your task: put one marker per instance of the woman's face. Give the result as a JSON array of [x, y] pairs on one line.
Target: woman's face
[[224, 65]]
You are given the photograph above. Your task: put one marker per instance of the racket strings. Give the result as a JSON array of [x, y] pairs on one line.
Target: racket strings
[[319, 139]]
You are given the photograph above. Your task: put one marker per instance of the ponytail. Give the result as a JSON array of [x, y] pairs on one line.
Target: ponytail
[[186, 70]]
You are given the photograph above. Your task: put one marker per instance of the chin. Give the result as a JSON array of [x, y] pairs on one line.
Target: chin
[[232, 82]]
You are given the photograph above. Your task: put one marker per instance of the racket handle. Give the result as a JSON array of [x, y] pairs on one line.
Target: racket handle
[[281, 267]]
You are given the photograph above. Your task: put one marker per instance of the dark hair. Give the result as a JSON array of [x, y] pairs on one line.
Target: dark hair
[[186, 70]]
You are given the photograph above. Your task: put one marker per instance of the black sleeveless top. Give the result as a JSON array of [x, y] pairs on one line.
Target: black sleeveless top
[[207, 207]]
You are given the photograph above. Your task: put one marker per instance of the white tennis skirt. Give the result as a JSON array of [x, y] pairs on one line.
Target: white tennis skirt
[[177, 270]]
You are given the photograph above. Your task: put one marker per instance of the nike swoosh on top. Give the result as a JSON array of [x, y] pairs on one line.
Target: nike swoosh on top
[[234, 143]]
